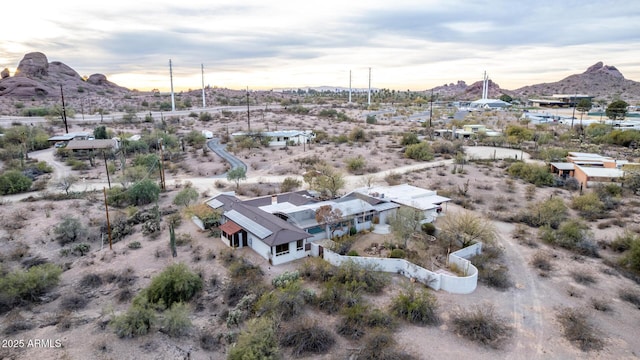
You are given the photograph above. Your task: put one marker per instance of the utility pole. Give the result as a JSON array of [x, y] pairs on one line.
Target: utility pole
[[204, 103], [248, 112], [173, 100], [349, 86], [574, 110], [64, 112], [369, 94], [106, 207], [106, 168]]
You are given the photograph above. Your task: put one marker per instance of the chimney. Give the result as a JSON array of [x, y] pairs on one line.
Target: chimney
[[274, 199]]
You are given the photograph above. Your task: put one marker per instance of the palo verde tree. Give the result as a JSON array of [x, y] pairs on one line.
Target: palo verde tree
[[236, 175], [583, 106], [406, 223], [325, 179], [466, 228], [617, 110]]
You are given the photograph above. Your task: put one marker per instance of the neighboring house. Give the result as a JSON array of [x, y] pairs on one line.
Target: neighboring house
[[590, 168], [427, 201], [488, 104], [559, 100], [84, 146], [283, 137], [70, 136], [467, 132]]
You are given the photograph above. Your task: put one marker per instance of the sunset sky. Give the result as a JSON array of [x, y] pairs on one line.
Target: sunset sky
[[287, 44]]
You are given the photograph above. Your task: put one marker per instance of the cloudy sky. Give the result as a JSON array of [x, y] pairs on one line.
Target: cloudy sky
[[280, 43]]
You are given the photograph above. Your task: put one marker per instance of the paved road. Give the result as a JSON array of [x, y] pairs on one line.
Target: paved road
[[220, 150]]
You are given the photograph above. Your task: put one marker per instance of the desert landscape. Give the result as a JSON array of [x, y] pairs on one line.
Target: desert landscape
[[558, 274]]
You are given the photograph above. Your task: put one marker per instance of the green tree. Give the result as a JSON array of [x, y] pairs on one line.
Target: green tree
[[506, 98], [13, 182], [143, 192], [100, 132], [617, 110], [236, 175], [583, 106], [405, 223], [325, 179], [467, 228], [186, 197]]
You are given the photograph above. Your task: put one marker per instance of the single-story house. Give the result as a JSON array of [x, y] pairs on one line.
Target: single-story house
[[588, 176], [88, 145], [282, 137], [427, 201], [281, 227], [488, 104], [562, 169], [70, 136]]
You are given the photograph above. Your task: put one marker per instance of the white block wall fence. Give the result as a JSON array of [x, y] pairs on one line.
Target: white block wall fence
[[465, 284]]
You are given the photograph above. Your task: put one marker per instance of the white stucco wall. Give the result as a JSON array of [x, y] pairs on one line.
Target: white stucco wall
[[437, 281]]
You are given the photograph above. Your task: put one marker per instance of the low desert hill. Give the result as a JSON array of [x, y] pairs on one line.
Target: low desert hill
[[37, 77]]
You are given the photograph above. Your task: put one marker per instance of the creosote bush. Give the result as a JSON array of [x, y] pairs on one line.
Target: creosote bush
[[481, 324], [27, 285], [417, 306], [176, 320], [175, 284], [258, 341], [578, 330], [306, 337]]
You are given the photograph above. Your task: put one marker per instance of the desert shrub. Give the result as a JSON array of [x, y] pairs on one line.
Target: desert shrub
[[306, 337], [542, 261], [623, 241], [258, 341], [13, 182], [175, 284], [416, 306], [584, 278], [136, 321], [289, 184], [356, 165], [334, 296], [491, 268], [283, 303], [90, 281], [578, 330], [380, 345], [538, 175], [354, 322], [285, 279], [317, 269], [208, 341], [589, 206], [176, 320], [29, 285], [73, 302], [421, 151], [572, 235], [428, 228], [631, 259], [481, 324], [358, 135], [601, 304], [134, 245], [70, 230], [550, 212], [409, 138], [353, 253], [397, 254], [81, 249], [631, 296], [365, 278]]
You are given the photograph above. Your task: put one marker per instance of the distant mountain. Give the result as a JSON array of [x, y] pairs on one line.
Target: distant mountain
[[37, 77], [599, 80]]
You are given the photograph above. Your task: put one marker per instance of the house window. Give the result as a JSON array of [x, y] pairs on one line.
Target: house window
[[282, 249], [315, 230], [299, 245], [368, 217]]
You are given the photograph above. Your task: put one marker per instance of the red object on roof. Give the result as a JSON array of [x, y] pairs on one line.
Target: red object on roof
[[230, 227]]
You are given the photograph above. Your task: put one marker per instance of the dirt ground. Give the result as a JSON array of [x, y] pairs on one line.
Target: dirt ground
[[530, 306]]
